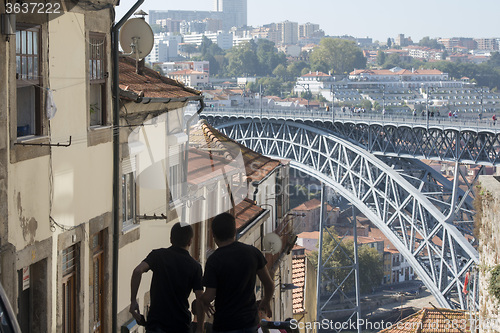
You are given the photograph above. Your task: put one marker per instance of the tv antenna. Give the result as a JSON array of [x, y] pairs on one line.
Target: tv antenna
[[136, 38], [272, 243]]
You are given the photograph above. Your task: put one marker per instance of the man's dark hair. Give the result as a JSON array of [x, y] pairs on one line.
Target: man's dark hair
[[181, 234], [224, 226]]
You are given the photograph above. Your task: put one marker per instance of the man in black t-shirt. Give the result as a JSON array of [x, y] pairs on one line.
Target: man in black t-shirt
[[175, 274], [230, 275]]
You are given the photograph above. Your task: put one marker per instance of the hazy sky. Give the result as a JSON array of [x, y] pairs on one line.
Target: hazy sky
[[361, 18]]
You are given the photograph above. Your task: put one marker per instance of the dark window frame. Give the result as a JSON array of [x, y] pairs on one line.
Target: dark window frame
[[28, 75], [97, 60], [70, 273]]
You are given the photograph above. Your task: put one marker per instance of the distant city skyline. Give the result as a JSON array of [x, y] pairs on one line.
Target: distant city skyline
[[363, 18]]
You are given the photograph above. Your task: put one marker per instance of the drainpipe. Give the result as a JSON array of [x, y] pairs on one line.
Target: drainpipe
[[116, 161]]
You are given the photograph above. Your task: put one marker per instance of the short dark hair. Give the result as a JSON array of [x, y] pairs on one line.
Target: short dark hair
[[224, 226], [181, 234]]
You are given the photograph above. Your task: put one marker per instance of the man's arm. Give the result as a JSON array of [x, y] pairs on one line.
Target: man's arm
[[268, 284], [135, 282], [207, 298], [200, 311]]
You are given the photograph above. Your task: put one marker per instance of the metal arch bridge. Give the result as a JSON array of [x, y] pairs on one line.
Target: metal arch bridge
[[424, 215]]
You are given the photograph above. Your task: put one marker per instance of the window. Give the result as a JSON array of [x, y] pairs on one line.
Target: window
[[28, 80], [174, 182], [128, 201], [97, 76], [69, 273]]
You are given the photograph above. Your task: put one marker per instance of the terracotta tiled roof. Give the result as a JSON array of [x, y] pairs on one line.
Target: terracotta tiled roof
[[312, 204], [298, 279], [150, 83], [203, 167], [362, 239], [433, 320], [257, 166], [245, 212], [309, 235]]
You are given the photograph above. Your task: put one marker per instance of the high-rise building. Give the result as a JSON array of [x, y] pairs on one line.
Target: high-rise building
[[289, 32], [235, 12], [307, 30]]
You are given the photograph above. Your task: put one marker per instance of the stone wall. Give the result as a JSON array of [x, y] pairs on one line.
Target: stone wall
[[487, 229]]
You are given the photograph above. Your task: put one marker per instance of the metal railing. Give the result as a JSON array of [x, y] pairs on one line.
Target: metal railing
[[463, 122]]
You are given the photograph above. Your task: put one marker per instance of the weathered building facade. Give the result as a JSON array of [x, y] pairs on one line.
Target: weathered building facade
[[55, 166]]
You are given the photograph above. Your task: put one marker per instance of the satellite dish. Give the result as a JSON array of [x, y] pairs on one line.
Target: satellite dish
[[136, 38], [272, 243]]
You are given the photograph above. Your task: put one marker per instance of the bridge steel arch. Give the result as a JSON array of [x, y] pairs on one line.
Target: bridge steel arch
[[438, 252]]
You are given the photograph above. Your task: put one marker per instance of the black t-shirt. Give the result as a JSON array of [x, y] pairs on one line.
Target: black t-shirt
[[175, 274], [232, 271]]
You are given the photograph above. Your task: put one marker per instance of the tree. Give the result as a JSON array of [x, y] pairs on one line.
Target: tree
[[366, 104], [380, 57], [268, 56], [371, 268], [271, 86], [189, 49], [242, 60], [430, 43], [337, 55], [280, 71], [494, 60], [295, 68], [389, 42], [370, 263], [392, 60]]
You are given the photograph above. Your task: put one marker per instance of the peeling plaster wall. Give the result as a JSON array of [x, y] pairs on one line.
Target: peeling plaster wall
[[28, 197], [487, 224]]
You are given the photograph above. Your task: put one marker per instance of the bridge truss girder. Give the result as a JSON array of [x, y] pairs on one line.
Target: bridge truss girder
[[407, 209], [435, 142]]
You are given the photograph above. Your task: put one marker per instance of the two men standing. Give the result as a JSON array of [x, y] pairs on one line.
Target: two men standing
[[230, 276]]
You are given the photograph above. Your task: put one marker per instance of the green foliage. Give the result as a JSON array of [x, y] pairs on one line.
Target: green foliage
[[189, 49], [431, 43], [494, 286], [380, 57], [494, 60], [268, 56], [271, 86], [392, 60], [337, 55], [295, 69], [254, 58], [280, 71], [370, 267], [242, 60], [322, 99], [389, 43], [366, 104], [370, 263]]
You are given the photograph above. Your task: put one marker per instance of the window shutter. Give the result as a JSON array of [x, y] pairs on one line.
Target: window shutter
[[128, 165], [174, 155]]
